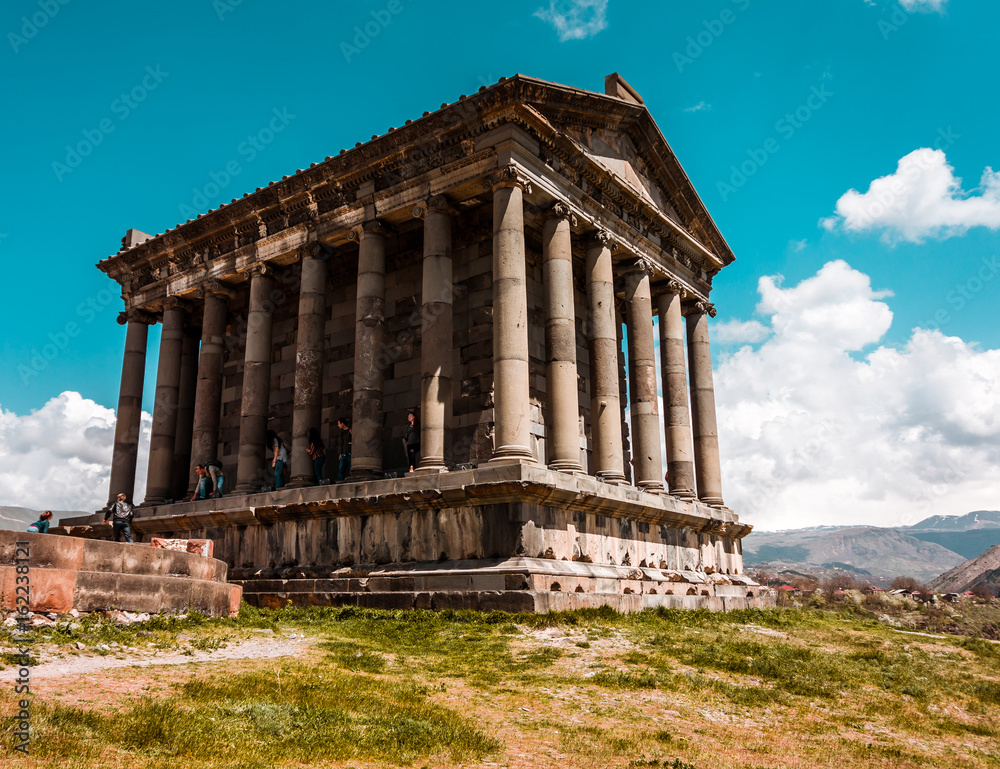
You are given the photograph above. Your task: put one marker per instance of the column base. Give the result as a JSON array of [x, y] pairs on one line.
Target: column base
[[511, 461], [361, 475], [712, 501], [566, 466], [612, 479], [300, 482], [436, 470], [651, 488]]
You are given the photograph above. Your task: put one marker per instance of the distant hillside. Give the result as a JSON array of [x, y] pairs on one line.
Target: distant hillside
[[979, 519], [967, 544], [859, 549], [984, 570], [18, 518]]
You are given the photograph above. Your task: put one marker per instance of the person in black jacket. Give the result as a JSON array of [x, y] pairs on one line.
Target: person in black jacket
[[412, 440], [342, 444], [122, 513]]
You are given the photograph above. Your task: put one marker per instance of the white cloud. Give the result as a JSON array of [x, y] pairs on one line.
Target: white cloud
[[575, 19], [813, 435], [922, 199], [700, 106], [59, 456], [739, 332], [924, 5]]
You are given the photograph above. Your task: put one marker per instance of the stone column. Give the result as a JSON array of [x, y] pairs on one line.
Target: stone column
[[369, 347], [308, 398], [159, 479], [256, 381], [185, 415], [208, 390], [706, 437], [129, 421], [562, 429], [605, 402], [511, 393], [677, 419], [436, 337], [647, 462]]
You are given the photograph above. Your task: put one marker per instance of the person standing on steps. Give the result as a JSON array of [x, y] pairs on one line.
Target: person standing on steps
[[343, 446], [412, 440], [122, 513], [278, 455], [317, 451]]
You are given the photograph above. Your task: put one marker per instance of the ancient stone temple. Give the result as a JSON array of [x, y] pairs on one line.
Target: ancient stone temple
[[500, 267]]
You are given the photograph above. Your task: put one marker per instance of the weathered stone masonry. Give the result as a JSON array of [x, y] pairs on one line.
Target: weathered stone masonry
[[477, 266]]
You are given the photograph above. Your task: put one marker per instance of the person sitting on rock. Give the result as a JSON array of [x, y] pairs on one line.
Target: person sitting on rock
[[42, 524], [122, 513]]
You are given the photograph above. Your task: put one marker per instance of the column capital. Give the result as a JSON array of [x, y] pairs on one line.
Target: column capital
[[702, 308], [435, 204], [508, 176], [560, 210], [176, 303], [371, 227], [643, 266], [136, 316], [260, 270], [215, 288], [602, 238], [675, 287]]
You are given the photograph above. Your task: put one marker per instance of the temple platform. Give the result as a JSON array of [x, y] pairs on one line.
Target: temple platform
[[515, 537]]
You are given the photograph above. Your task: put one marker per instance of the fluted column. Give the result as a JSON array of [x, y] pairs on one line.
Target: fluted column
[[647, 462], [605, 402], [706, 438], [435, 336], [185, 415], [511, 392], [676, 417], [562, 430], [208, 390], [256, 381], [168, 376], [129, 417], [369, 343], [307, 403]]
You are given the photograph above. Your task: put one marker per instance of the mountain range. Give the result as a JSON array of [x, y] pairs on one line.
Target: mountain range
[[983, 570], [923, 551]]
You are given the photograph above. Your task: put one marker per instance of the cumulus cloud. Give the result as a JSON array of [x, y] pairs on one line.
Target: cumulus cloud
[[700, 106], [739, 332], [922, 199], [575, 19], [59, 456], [821, 424]]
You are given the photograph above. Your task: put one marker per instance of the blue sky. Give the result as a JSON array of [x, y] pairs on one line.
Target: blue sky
[[119, 118]]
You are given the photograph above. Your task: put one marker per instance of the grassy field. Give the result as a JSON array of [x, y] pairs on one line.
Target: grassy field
[[687, 690]]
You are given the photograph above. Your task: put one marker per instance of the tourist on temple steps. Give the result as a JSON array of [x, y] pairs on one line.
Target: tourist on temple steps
[[343, 446], [278, 455], [214, 468], [122, 514], [318, 453], [412, 440], [202, 488], [42, 524]]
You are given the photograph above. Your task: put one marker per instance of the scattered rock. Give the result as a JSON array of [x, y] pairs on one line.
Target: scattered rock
[[144, 634], [79, 646], [263, 631], [181, 638]]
